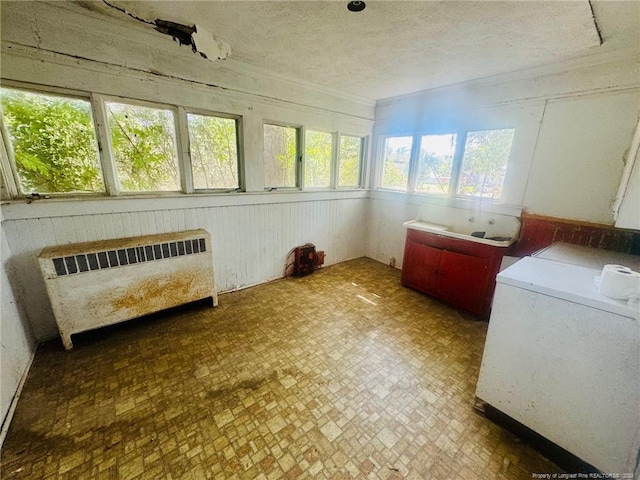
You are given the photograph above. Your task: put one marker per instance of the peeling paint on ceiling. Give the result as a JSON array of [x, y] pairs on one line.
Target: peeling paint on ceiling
[[398, 47]]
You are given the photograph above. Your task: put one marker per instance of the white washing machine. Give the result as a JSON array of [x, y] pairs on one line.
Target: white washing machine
[[564, 360]]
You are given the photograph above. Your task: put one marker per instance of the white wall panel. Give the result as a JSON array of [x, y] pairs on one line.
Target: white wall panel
[[250, 242], [16, 340]]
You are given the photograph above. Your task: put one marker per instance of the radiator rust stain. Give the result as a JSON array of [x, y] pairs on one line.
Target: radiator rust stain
[[157, 293]]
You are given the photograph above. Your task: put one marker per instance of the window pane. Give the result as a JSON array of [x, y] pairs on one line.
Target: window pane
[[214, 151], [144, 147], [317, 166], [349, 167], [54, 142], [434, 164], [280, 152], [484, 163], [395, 168]]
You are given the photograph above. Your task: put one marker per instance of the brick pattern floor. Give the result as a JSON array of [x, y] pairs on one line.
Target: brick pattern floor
[[341, 374]]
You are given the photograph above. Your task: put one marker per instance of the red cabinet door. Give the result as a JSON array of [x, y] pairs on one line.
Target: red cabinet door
[[463, 280], [420, 266]]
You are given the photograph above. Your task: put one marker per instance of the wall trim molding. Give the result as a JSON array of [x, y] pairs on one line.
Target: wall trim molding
[[67, 207]]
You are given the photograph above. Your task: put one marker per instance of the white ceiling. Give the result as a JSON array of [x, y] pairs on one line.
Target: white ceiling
[[399, 47]]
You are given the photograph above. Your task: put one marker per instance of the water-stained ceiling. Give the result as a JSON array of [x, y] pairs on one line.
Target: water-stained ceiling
[[397, 47]]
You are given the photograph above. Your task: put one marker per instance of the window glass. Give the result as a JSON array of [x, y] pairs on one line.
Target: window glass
[[435, 162], [349, 165], [280, 153], [144, 147], [484, 163], [214, 151], [317, 166], [54, 142], [395, 165]]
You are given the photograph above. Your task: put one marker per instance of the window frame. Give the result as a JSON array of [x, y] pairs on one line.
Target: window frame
[[11, 189], [183, 113], [461, 133], [179, 147], [332, 160], [361, 158], [299, 173], [8, 166], [412, 163]]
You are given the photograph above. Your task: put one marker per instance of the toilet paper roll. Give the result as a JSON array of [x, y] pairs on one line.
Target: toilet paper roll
[[619, 282]]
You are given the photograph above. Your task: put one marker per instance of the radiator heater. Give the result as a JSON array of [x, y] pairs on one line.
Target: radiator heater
[[94, 284]]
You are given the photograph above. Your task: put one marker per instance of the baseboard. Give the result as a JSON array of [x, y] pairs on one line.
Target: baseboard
[[6, 421]]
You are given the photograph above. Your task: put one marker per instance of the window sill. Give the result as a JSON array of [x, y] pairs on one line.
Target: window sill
[[96, 205], [486, 205]]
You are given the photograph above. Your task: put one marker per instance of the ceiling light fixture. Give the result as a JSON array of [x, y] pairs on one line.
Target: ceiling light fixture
[[356, 6]]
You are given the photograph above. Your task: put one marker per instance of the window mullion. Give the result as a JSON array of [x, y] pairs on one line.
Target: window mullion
[[461, 140], [7, 162], [413, 163], [107, 160], [335, 161], [301, 156], [184, 152]]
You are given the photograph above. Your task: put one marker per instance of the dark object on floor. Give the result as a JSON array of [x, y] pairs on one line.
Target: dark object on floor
[[553, 452], [303, 260], [478, 234]]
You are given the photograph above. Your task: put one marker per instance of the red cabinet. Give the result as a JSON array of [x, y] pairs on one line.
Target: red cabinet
[[459, 272]]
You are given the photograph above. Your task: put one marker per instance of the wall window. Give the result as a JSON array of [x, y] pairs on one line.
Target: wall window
[[317, 159], [53, 142], [280, 155], [435, 162], [143, 142], [484, 163], [462, 163], [213, 143], [395, 162], [350, 159], [71, 142]]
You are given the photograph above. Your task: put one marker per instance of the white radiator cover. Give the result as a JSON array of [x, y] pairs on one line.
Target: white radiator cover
[[94, 284]]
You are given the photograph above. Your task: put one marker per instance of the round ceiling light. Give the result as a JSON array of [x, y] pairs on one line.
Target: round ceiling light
[[356, 6]]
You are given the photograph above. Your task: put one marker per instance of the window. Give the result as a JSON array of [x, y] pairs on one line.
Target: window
[[53, 141], [143, 141], [318, 153], [349, 161], [435, 163], [280, 154], [445, 167], [484, 163], [73, 142], [395, 162], [214, 152]]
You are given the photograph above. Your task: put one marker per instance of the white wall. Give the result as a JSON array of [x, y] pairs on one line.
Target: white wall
[[17, 344], [573, 130], [250, 242]]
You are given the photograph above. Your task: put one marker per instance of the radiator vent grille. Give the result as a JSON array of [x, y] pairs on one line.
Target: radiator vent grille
[[127, 256]]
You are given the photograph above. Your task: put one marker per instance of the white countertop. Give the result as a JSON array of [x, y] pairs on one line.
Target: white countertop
[[587, 257], [566, 281]]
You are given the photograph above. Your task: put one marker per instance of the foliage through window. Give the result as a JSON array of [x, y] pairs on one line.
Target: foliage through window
[[434, 163], [318, 153], [280, 154], [444, 167], [395, 162], [54, 143], [144, 147], [53, 147], [214, 151], [350, 155], [484, 163]]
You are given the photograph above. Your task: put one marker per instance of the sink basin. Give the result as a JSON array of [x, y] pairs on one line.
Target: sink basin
[[489, 229]]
